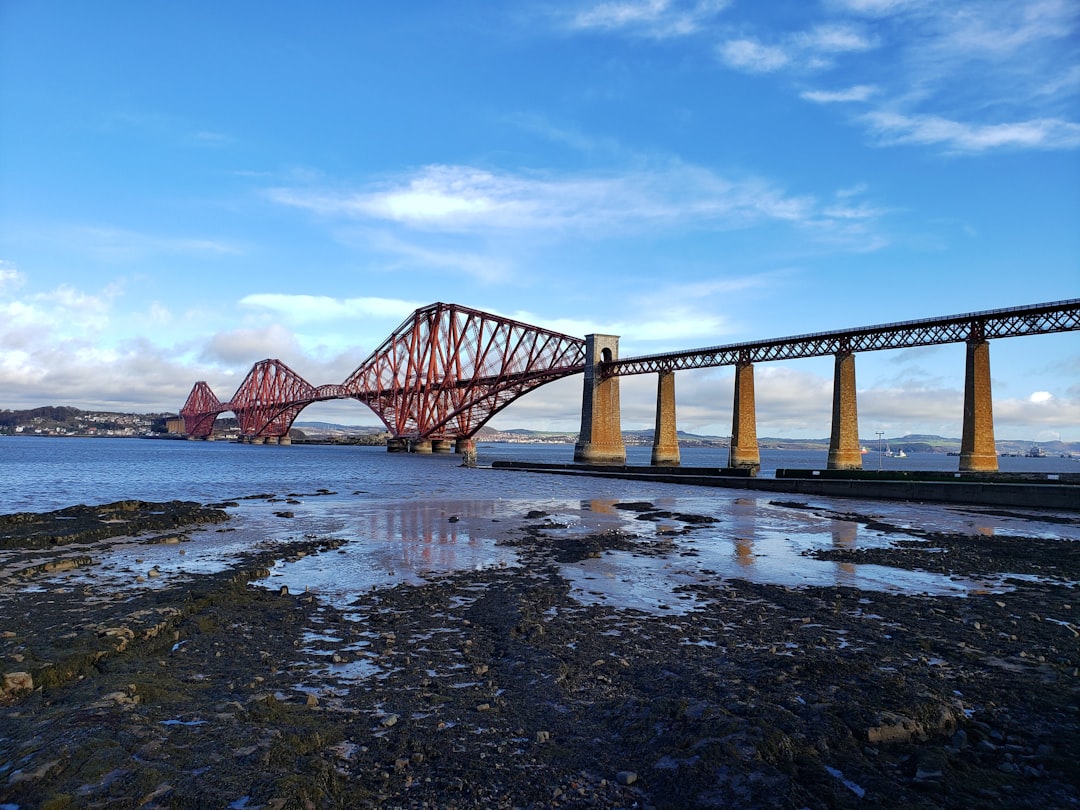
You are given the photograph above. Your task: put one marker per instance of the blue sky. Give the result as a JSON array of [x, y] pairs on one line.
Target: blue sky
[[187, 188]]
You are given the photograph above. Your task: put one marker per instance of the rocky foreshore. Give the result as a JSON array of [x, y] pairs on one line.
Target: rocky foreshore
[[496, 688]]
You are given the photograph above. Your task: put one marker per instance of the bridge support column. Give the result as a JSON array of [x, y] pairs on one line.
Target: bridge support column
[[978, 453], [744, 453], [397, 445], [665, 451], [600, 441], [286, 440], [466, 448], [420, 446], [272, 439], [258, 440], [442, 446], [844, 450]]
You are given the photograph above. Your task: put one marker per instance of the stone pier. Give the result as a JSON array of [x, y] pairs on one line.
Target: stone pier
[[422, 446], [600, 441], [744, 453], [397, 445], [466, 448], [978, 453], [844, 450], [665, 451], [442, 446]]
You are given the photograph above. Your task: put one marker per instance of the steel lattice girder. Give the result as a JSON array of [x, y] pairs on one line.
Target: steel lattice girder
[[269, 399], [448, 369], [1037, 319], [201, 410]]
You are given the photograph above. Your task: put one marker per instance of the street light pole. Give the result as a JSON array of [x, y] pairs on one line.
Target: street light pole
[[880, 433]]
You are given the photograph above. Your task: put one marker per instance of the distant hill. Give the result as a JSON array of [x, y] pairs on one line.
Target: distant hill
[[68, 421]]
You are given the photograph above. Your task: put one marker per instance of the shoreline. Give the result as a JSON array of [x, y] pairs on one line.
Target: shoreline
[[497, 687]]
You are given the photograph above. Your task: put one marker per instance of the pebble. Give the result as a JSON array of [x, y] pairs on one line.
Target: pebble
[[389, 720], [18, 682], [626, 777]]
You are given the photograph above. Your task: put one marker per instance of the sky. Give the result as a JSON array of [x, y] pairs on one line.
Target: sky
[[188, 188]]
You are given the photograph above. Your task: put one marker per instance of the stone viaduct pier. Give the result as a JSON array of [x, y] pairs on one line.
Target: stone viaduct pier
[[600, 441]]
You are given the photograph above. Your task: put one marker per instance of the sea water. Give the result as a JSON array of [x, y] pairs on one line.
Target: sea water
[[413, 518]]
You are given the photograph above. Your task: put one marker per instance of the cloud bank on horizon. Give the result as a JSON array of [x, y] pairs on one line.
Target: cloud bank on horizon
[[187, 190]]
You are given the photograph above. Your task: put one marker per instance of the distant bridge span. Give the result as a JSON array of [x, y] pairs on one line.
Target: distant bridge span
[[447, 369], [442, 374]]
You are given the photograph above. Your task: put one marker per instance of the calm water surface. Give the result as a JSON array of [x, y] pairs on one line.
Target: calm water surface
[[38, 474], [408, 518]]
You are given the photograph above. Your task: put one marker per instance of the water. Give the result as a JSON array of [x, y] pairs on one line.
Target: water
[[38, 474], [407, 518]]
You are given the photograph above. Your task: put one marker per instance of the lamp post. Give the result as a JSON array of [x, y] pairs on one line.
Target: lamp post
[[880, 433]]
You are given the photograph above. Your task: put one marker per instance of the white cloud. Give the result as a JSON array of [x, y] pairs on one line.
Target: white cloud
[[858, 92], [753, 56], [303, 309], [970, 76], [10, 277], [117, 244], [659, 19], [999, 29], [957, 136], [243, 347], [877, 8], [836, 38], [1040, 397], [463, 199]]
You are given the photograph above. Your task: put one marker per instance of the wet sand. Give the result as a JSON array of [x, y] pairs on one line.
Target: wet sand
[[522, 684]]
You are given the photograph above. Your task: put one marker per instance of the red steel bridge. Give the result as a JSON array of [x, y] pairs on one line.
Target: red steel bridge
[[442, 374], [445, 371]]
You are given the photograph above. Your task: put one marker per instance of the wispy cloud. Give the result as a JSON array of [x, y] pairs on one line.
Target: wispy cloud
[[859, 92], [303, 309], [753, 56], [658, 19], [464, 199], [836, 38], [957, 136], [123, 244], [967, 77]]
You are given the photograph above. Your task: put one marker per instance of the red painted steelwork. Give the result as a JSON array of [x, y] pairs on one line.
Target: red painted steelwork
[[269, 398], [448, 369], [443, 373], [200, 411]]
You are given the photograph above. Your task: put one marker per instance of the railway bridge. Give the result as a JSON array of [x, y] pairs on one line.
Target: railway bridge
[[445, 371]]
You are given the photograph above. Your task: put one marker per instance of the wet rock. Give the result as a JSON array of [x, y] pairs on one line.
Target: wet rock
[[626, 777], [17, 682]]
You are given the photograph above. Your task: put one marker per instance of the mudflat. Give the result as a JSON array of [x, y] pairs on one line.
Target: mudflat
[[497, 688]]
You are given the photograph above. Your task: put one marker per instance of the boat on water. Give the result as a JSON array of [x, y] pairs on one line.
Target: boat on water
[[1035, 452]]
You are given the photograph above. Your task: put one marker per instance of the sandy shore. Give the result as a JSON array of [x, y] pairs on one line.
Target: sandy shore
[[497, 688]]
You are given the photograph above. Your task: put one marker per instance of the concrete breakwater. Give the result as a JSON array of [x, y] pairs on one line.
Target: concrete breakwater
[[1045, 491]]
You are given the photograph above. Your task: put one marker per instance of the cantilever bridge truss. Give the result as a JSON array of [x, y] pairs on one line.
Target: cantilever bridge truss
[[448, 369], [443, 373]]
